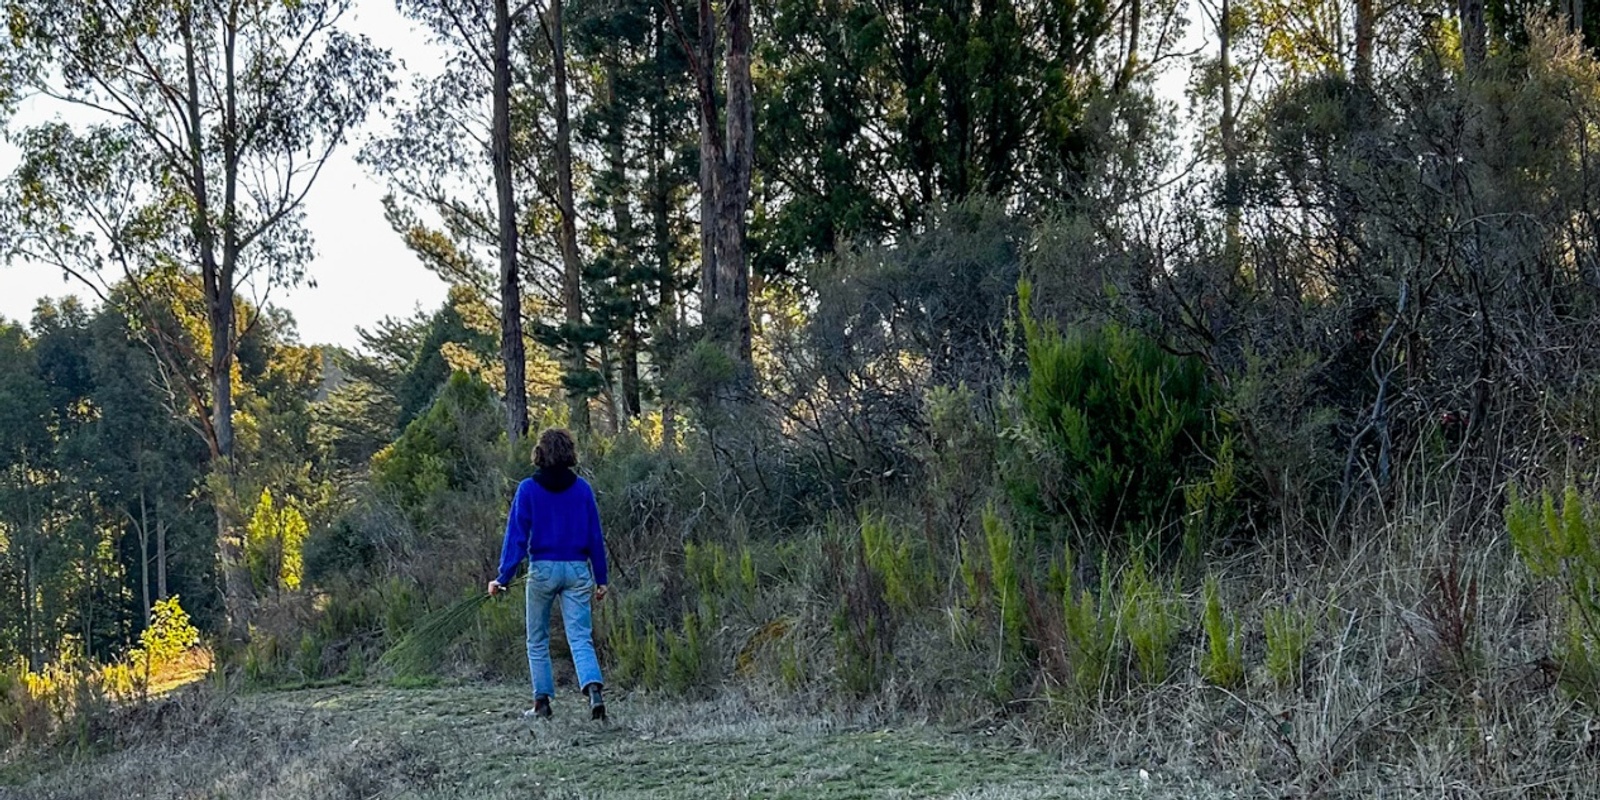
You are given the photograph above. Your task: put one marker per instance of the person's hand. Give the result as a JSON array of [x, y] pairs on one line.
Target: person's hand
[[600, 593], [495, 588]]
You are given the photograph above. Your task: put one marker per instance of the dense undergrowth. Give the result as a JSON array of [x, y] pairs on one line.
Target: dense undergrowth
[[1440, 649]]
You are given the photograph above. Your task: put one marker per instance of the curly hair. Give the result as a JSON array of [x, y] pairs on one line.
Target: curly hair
[[556, 450]]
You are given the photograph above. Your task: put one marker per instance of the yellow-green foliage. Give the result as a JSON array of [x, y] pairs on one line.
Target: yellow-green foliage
[[63, 697], [686, 656], [1222, 664], [1151, 619], [791, 668], [1557, 545], [1006, 579], [1091, 628], [969, 577], [1552, 541], [748, 578], [707, 566], [274, 543], [1210, 505], [169, 636], [1289, 630], [907, 578]]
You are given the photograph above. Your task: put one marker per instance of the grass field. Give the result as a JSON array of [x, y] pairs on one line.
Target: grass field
[[469, 741]]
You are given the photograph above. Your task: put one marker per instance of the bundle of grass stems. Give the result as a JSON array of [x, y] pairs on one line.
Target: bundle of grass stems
[[419, 650]]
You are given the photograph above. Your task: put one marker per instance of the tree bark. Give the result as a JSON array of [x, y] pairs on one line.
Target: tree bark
[[512, 356], [710, 158], [733, 268], [624, 254], [217, 285], [1228, 128], [30, 633], [1130, 64], [1365, 25], [666, 322], [1474, 37], [161, 556], [144, 558], [571, 264]]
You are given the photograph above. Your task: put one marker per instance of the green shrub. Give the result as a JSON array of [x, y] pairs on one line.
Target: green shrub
[[708, 568], [401, 606], [274, 542], [861, 663], [1222, 663], [687, 656], [1110, 426], [791, 667], [1005, 577], [308, 661], [1289, 630], [498, 640], [864, 624], [907, 574], [169, 635], [1152, 617], [456, 447], [342, 548], [1091, 631], [1558, 547], [958, 436], [264, 659]]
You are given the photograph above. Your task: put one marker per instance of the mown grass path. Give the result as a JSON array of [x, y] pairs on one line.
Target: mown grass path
[[470, 742]]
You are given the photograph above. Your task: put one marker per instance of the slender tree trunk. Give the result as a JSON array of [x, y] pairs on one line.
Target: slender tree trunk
[[710, 161], [609, 394], [161, 555], [733, 268], [30, 631], [512, 357], [1474, 36], [571, 264], [661, 234], [1228, 128], [217, 285], [625, 254], [144, 557], [1130, 64], [1365, 25]]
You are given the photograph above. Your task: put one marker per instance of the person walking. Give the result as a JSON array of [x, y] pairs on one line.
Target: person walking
[[554, 523]]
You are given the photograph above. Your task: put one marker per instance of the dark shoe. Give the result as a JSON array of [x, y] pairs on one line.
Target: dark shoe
[[541, 709], [597, 704]]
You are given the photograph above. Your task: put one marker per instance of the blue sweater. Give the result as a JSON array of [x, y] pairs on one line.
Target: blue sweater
[[553, 520]]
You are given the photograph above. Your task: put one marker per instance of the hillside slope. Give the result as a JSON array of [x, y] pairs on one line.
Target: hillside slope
[[469, 741]]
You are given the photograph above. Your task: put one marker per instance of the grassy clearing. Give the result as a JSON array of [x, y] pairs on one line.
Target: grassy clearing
[[469, 741]]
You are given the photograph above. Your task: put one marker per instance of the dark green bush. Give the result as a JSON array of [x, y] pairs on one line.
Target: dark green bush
[[456, 447], [1112, 430]]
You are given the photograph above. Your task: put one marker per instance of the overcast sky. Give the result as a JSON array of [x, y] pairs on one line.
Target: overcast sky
[[363, 271]]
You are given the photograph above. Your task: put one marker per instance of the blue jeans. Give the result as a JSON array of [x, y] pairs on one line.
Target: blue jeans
[[573, 582]]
